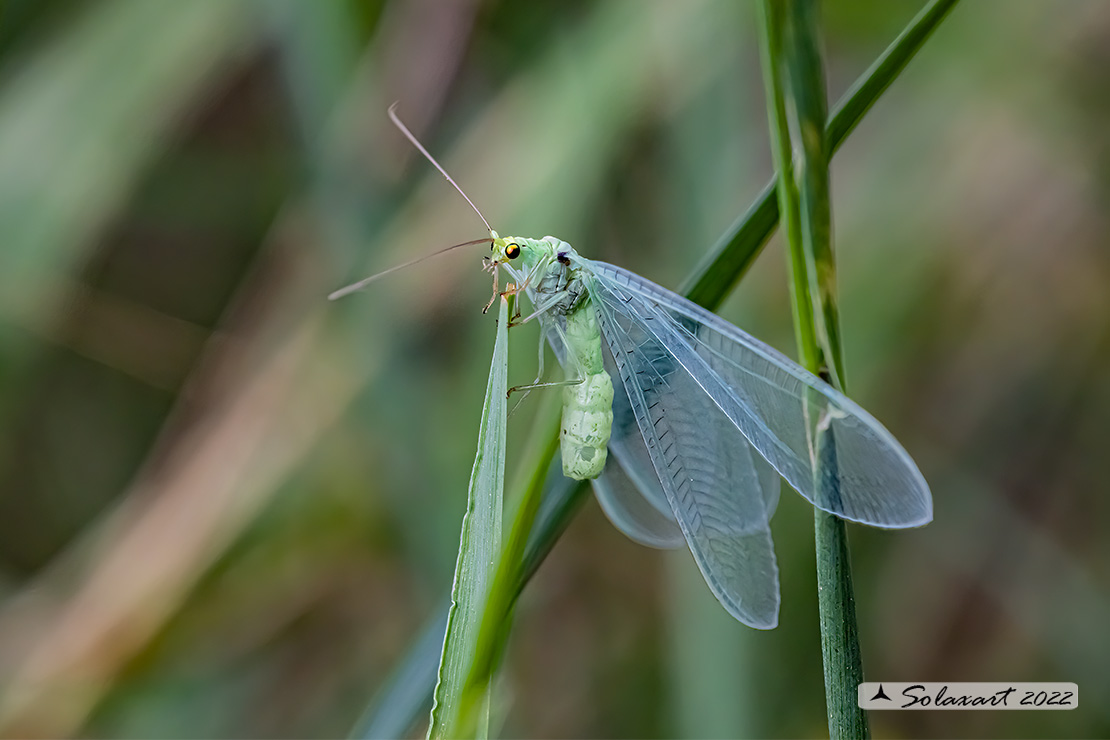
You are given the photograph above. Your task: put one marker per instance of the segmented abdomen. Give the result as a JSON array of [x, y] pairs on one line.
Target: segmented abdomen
[[587, 406], [587, 424]]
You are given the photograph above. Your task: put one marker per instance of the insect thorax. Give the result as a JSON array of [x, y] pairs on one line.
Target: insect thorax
[[558, 274]]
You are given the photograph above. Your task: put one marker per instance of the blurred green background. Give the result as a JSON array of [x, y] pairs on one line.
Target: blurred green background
[[227, 506]]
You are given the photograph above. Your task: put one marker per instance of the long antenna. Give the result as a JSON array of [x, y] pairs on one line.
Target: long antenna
[[409, 135], [366, 281]]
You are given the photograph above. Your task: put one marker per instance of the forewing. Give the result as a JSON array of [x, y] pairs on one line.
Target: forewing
[[828, 448], [626, 443], [715, 487], [628, 451]]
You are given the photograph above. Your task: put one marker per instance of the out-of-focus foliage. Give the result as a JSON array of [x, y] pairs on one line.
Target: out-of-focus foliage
[[227, 506]]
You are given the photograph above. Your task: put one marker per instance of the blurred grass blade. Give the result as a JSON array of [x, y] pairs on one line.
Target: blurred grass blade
[[561, 500], [75, 170], [714, 278], [461, 706], [408, 690]]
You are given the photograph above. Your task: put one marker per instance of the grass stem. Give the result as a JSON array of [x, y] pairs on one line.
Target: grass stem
[[795, 84]]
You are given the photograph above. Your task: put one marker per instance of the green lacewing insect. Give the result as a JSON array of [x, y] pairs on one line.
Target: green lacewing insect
[[685, 423]]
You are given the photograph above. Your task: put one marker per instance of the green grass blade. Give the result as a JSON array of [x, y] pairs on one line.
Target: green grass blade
[[840, 650], [773, 19], [863, 94], [459, 703], [726, 263], [736, 250], [793, 72], [497, 619]]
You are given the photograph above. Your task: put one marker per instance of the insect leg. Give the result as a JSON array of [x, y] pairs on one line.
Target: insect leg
[[539, 373], [546, 305], [541, 356], [511, 289], [531, 275], [492, 265], [570, 361], [552, 384]]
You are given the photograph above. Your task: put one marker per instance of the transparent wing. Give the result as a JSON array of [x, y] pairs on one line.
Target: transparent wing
[[707, 472], [627, 444], [828, 448], [631, 512]]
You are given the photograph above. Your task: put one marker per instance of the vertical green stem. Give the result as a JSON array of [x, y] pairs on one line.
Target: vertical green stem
[[795, 84], [790, 216], [840, 650]]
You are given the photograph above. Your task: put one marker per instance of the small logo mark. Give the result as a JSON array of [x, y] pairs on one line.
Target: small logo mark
[[880, 694]]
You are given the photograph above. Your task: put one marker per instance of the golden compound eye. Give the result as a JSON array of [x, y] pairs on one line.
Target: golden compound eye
[[512, 251]]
